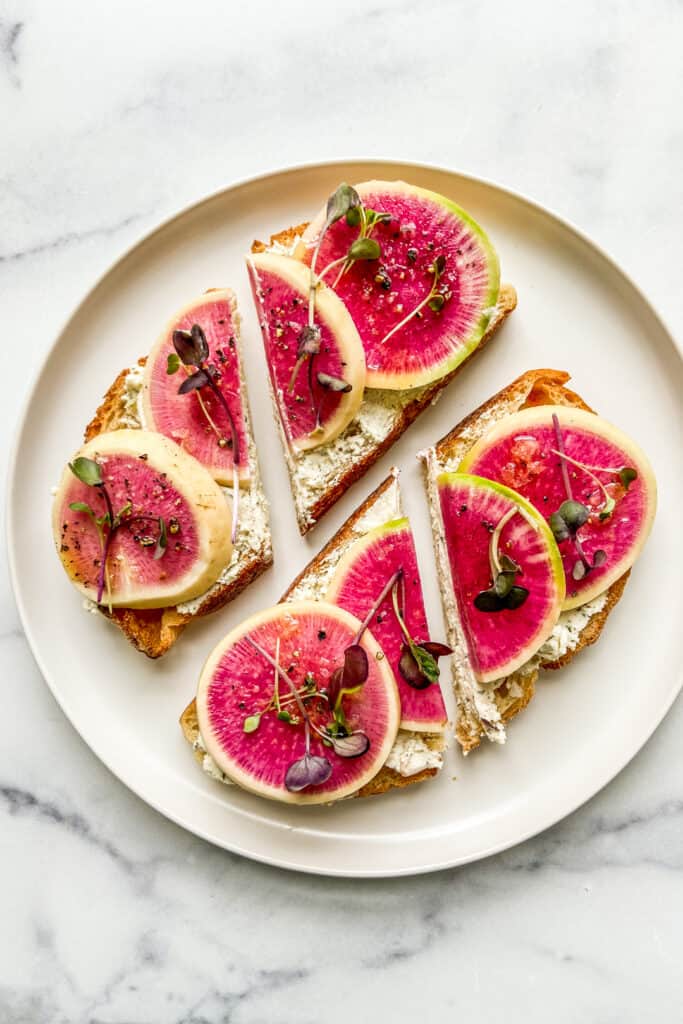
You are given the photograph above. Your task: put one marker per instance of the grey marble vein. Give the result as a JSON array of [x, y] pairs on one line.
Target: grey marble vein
[[51, 245], [10, 33]]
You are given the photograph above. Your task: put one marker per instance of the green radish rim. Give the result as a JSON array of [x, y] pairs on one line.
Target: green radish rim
[[446, 479]]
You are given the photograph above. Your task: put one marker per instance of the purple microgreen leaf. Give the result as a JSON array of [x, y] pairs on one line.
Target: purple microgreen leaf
[[87, 471], [251, 723], [436, 649], [172, 363], [307, 771], [356, 667], [418, 663], [200, 344], [325, 380], [354, 745], [183, 343], [626, 476], [410, 670], [333, 687], [197, 380]]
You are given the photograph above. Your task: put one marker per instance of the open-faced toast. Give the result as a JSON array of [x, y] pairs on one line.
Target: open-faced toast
[[154, 631], [416, 756], [484, 709], [319, 476]]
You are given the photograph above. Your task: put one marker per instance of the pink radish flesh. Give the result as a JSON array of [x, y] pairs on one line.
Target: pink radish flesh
[[357, 589], [181, 417], [283, 312], [498, 641], [526, 462], [128, 480], [242, 685]]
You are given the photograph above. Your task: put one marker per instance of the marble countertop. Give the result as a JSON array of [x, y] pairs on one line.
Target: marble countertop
[[116, 115]]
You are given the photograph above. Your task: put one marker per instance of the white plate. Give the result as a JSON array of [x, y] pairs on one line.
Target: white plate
[[577, 311]]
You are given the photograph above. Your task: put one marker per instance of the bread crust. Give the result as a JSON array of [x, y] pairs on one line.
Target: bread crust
[[533, 388], [386, 778], [153, 631], [424, 397]]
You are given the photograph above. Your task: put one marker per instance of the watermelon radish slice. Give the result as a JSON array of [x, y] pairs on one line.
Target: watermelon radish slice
[[198, 422], [381, 294], [477, 513], [519, 451], [145, 475], [241, 728], [311, 414], [357, 582]]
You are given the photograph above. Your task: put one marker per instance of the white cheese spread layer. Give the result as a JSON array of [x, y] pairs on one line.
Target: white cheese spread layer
[[567, 632]]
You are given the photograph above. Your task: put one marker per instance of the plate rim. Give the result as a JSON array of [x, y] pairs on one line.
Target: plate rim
[[234, 846]]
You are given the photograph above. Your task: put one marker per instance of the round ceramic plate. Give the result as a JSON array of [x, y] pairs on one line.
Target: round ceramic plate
[[577, 311]]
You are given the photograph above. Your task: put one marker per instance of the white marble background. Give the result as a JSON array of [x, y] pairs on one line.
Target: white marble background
[[116, 114]]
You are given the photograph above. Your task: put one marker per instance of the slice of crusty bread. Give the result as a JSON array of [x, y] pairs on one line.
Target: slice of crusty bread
[[483, 710], [154, 631], [401, 409], [312, 582]]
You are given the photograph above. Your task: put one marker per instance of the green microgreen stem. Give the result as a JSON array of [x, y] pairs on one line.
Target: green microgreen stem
[[391, 582], [282, 674], [399, 614], [437, 270], [276, 673], [609, 503], [568, 487], [494, 543]]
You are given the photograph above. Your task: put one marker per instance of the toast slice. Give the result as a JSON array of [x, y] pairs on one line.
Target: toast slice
[[320, 477], [154, 631], [415, 757], [484, 709]]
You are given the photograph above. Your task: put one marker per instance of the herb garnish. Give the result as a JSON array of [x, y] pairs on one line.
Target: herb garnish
[[192, 350], [572, 514], [435, 297], [504, 593], [344, 202], [89, 472], [418, 663]]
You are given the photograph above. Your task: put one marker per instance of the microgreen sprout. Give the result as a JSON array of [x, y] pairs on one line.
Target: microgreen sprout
[[344, 202], [435, 298], [192, 350], [89, 472], [572, 514], [504, 593], [418, 663]]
